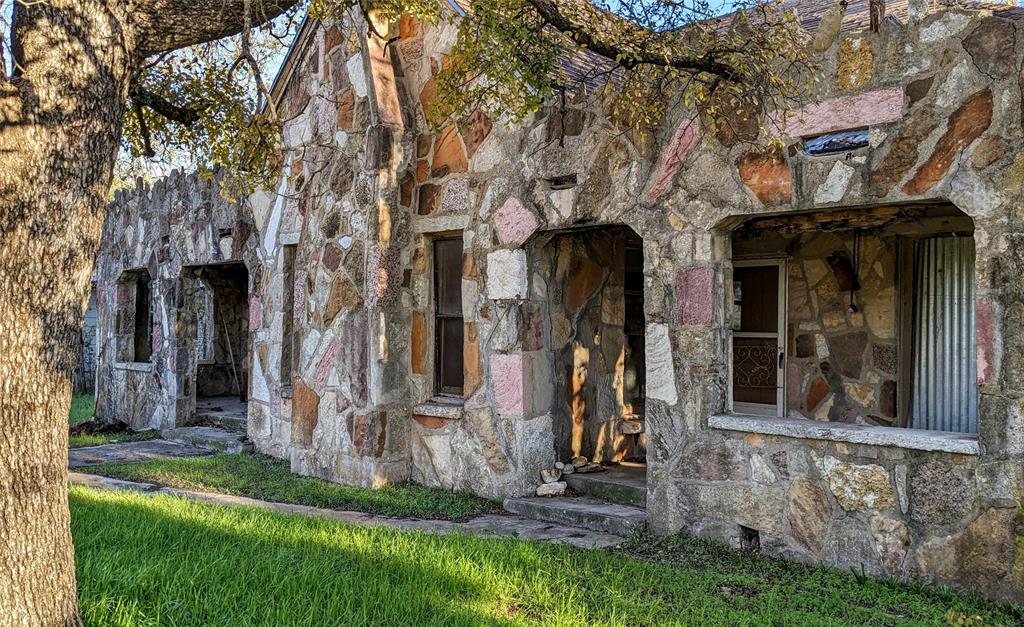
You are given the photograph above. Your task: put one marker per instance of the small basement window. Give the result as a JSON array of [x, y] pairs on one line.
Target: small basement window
[[834, 143], [448, 322]]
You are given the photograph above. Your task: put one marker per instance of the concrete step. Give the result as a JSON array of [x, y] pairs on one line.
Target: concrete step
[[614, 518], [228, 422], [609, 487], [216, 440]]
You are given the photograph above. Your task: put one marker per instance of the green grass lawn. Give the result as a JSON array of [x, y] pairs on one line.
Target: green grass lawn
[[270, 479], [82, 406], [161, 560]]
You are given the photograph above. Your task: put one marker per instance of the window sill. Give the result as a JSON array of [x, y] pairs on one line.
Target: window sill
[[917, 439], [447, 407], [136, 366]]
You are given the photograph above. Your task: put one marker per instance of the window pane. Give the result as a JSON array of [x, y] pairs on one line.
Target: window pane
[[449, 359], [758, 295], [448, 276]]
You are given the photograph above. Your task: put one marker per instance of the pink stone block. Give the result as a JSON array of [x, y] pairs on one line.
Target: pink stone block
[[695, 296], [158, 337], [255, 313], [984, 339], [672, 159], [509, 386], [323, 370], [794, 386], [514, 223], [843, 113]]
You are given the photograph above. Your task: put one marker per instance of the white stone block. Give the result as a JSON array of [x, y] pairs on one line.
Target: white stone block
[[506, 274], [661, 373]]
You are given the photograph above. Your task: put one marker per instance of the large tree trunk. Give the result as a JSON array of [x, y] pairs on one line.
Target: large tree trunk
[[60, 125], [58, 140]]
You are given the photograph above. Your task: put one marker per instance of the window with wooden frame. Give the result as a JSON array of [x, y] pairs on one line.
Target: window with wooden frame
[[449, 371]]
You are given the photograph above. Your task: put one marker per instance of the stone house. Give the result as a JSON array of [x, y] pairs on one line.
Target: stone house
[[817, 350]]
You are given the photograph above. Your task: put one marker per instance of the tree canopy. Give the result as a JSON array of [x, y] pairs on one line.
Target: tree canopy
[[209, 103]]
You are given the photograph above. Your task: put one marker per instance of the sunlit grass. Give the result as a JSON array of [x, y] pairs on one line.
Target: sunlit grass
[[270, 479], [161, 560]]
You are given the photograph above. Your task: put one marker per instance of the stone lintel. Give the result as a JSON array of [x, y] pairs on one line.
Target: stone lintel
[[919, 439], [439, 224], [137, 366], [449, 409]]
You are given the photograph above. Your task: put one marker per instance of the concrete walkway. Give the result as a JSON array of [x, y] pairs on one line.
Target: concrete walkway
[[131, 452], [487, 525]]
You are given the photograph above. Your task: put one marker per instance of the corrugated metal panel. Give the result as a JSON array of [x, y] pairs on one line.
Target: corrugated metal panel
[[945, 395]]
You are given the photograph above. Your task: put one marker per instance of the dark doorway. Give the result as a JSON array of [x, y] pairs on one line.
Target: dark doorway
[[221, 301], [596, 340]]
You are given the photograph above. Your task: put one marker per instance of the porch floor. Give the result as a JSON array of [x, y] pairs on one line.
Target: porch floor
[[624, 483], [224, 411]]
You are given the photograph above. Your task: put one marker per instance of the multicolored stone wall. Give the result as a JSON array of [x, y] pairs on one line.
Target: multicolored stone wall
[[165, 231], [368, 187]]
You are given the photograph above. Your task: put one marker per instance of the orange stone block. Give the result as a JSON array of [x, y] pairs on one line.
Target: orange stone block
[[767, 175], [408, 27], [965, 125], [419, 343], [427, 96], [449, 155], [473, 372], [346, 109], [305, 412]]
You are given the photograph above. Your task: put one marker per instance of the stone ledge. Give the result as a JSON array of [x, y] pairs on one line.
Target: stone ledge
[[137, 366], [440, 408], [917, 439]]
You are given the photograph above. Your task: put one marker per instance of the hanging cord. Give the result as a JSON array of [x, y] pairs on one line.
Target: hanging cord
[[855, 284]]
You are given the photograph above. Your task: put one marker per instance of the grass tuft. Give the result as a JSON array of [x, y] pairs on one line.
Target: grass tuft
[[79, 441], [163, 560], [270, 479]]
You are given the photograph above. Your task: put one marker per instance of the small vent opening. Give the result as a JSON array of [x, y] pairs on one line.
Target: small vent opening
[[835, 143], [750, 540], [567, 181]]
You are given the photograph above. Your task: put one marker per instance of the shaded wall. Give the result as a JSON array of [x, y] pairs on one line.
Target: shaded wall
[[594, 364]]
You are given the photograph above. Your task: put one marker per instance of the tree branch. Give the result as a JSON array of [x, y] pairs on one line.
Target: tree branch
[[184, 115], [628, 59], [162, 25]]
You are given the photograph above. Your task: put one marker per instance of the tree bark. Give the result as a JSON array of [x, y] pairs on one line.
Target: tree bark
[[60, 125]]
